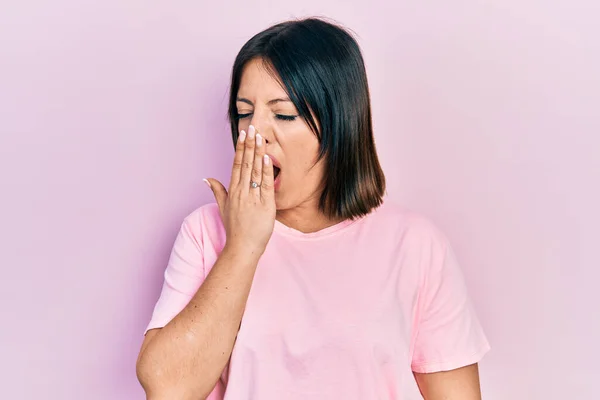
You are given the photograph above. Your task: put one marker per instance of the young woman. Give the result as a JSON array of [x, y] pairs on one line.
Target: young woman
[[303, 281]]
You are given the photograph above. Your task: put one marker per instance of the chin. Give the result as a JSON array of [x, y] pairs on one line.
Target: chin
[[280, 203]]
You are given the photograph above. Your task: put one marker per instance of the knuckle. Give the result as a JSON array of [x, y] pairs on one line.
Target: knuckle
[[247, 164], [237, 195]]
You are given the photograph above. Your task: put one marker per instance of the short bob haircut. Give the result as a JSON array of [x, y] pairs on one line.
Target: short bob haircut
[[321, 68]]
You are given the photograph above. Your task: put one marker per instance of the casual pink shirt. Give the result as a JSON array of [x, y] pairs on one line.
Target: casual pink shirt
[[347, 312]]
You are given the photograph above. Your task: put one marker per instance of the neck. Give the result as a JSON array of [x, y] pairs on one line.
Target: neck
[[306, 219]]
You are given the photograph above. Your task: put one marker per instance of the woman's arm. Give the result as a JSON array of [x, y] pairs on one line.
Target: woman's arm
[[457, 384], [185, 359]]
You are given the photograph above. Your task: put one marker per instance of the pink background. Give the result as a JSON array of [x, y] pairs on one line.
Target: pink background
[[111, 113]]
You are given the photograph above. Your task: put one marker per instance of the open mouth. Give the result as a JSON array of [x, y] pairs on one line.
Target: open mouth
[[276, 171]]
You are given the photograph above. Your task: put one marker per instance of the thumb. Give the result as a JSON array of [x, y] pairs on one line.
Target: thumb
[[219, 192]]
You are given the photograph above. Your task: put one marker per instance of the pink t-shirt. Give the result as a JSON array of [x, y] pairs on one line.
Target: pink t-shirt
[[347, 312]]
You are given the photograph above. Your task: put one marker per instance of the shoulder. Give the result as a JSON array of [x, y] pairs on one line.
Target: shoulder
[[400, 221], [419, 241], [204, 221], [206, 212]]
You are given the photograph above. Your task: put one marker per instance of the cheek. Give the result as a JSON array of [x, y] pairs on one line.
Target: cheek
[[305, 150], [308, 173], [302, 151]]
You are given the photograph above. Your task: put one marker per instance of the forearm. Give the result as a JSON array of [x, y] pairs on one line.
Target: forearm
[[188, 355]]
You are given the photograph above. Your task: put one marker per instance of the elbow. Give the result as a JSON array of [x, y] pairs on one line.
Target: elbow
[[159, 386], [146, 376], [157, 389], [153, 380]]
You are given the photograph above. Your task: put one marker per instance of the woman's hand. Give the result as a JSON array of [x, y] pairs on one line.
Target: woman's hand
[[248, 213]]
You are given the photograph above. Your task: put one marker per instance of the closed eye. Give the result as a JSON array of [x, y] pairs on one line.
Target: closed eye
[[278, 116]]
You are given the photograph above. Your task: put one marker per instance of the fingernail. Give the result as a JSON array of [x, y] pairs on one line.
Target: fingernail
[[251, 132], [242, 136], [258, 140], [267, 159], [207, 182]]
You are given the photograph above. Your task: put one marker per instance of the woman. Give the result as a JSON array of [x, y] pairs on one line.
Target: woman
[[301, 282]]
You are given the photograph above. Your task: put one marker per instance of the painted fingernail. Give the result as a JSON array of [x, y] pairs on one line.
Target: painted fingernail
[[266, 159], [242, 136], [251, 132], [258, 140], [207, 182]]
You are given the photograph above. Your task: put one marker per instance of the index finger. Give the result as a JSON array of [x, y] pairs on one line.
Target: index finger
[[236, 170]]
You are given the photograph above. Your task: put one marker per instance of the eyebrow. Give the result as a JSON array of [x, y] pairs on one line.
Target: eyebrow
[[270, 102]]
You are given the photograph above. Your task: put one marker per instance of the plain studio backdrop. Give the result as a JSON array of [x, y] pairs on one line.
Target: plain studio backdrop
[[486, 118]]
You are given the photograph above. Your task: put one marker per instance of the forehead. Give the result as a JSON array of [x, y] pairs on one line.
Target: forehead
[[257, 80]]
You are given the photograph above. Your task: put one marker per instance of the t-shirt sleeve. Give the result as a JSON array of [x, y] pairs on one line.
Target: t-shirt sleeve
[[448, 333], [183, 276]]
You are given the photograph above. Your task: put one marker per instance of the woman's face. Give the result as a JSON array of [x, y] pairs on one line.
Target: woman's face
[[262, 102]]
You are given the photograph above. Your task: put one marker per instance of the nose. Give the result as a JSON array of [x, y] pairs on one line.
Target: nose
[[263, 128]]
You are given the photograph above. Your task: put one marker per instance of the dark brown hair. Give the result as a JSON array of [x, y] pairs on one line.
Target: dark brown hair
[[320, 66]]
